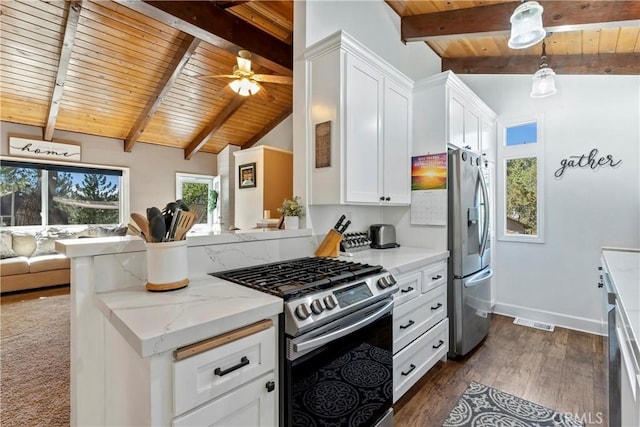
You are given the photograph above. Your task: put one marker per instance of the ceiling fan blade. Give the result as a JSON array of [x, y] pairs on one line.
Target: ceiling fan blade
[[244, 61], [285, 80], [219, 76]]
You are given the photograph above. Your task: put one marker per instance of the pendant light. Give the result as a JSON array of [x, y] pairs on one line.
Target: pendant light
[[526, 25], [544, 82]]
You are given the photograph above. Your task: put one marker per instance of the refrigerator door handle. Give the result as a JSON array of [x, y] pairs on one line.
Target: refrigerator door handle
[[478, 278], [485, 195]]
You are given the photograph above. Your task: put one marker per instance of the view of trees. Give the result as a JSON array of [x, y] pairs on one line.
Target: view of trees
[[521, 194], [196, 196], [73, 198]]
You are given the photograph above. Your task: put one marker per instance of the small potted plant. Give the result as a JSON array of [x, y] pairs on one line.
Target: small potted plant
[[292, 211]]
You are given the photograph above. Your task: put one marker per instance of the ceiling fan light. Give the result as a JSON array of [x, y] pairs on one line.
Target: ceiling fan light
[[254, 87], [526, 26], [235, 86], [544, 83], [244, 87]]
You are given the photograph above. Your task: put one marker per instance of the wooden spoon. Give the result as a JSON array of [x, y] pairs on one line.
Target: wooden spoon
[[135, 230], [143, 224], [185, 222]]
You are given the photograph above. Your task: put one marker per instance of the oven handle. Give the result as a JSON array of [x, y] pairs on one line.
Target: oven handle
[[323, 339]]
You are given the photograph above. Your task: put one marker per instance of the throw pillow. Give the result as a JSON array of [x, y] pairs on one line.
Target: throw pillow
[[45, 246], [6, 251], [23, 243]]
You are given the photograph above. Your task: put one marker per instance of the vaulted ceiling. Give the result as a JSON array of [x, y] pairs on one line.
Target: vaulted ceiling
[[135, 70]]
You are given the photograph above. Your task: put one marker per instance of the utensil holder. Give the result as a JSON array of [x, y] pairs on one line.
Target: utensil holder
[[330, 246], [167, 267]]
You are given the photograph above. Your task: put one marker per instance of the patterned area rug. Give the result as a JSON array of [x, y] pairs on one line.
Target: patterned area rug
[[483, 406]]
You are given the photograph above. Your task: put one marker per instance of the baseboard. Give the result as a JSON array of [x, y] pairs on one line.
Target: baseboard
[[561, 320]]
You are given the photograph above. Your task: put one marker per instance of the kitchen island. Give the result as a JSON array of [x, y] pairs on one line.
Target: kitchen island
[[124, 368], [622, 269]]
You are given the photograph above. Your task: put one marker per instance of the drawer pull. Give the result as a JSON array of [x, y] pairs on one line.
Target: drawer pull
[[440, 342], [404, 291], [436, 277], [409, 371], [411, 322], [437, 306], [270, 386], [243, 362]]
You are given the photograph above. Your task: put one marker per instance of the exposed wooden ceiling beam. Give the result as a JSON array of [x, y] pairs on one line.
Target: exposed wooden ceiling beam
[[610, 63], [171, 74], [75, 7], [199, 141], [491, 20], [227, 4], [268, 128], [206, 21]]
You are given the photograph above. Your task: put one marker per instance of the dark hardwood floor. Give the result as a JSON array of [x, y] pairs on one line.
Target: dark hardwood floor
[[11, 297], [563, 370]]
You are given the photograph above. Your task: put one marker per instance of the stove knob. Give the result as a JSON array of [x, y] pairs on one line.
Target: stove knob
[[316, 306], [302, 311], [330, 302], [386, 281]]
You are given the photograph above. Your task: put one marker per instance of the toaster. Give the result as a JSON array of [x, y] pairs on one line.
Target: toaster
[[383, 236]]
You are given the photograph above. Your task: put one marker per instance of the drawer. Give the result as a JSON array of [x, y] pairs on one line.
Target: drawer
[[207, 375], [251, 405], [434, 276], [409, 287], [416, 359], [417, 316]]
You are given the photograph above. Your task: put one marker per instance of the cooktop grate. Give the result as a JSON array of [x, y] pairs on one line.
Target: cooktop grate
[[298, 276]]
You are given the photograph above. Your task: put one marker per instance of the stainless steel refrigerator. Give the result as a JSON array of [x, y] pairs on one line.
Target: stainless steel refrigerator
[[469, 285]]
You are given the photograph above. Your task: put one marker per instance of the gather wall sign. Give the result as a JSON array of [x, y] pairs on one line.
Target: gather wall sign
[[591, 160]]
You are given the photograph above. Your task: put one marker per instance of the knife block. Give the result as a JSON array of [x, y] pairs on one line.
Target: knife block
[[330, 246]]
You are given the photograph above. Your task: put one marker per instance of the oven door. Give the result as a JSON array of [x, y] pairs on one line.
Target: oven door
[[341, 374]]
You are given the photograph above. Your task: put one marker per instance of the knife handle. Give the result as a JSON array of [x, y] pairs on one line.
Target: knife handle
[[339, 223], [344, 227]]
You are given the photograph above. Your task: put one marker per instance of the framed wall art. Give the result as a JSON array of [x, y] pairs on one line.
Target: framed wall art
[[247, 175]]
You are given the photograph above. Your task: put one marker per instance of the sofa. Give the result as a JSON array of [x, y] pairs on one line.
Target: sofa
[[29, 260]]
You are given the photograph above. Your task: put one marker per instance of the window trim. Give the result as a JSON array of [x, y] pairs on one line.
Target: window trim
[[516, 152], [124, 206]]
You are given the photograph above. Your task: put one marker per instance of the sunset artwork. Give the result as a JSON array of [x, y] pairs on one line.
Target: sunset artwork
[[429, 172]]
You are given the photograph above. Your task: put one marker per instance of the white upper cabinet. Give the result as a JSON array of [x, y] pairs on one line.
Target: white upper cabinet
[[365, 158], [446, 111]]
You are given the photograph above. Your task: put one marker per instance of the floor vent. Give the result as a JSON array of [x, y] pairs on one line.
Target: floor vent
[[533, 324]]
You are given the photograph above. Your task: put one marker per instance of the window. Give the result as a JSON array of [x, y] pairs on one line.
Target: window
[[201, 194], [520, 186], [41, 194]]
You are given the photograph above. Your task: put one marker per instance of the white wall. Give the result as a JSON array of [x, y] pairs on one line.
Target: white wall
[[152, 167], [281, 136], [377, 26], [585, 209]]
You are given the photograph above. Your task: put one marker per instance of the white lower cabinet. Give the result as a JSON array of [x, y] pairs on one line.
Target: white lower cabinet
[[420, 325], [229, 385]]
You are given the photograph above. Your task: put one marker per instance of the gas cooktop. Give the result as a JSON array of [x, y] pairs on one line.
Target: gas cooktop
[[296, 277]]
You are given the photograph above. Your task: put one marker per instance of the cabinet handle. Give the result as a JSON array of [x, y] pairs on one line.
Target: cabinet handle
[[436, 277], [440, 342], [600, 284], [243, 362], [404, 291], [387, 199], [411, 322], [382, 198], [270, 386], [409, 371], [437, 306]]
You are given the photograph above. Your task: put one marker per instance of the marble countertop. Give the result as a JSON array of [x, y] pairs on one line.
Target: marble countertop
[[154, 322], [398, 260], [624, 271]]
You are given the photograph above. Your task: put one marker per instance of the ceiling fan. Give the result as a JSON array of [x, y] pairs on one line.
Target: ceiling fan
[[245, 82]]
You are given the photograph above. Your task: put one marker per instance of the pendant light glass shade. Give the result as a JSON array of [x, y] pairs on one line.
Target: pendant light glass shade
[[526, 25], [544, 80], [244, 87], [544, 83]]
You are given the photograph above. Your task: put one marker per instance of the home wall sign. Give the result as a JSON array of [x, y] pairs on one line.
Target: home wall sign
[[590, 160], [43, 149]]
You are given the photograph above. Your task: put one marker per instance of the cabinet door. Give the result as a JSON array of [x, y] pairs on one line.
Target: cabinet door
[[363, 163], [253, 404], [488, 140], [472, 130], [396, 146], [456, 118]]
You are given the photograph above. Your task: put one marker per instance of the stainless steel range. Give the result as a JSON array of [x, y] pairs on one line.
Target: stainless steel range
[[335, 336]]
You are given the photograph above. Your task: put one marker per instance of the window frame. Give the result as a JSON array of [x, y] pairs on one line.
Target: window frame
[[505, 153], [124, 204], [213, 183]]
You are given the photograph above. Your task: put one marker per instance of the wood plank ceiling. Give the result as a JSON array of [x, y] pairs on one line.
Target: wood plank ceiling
[[132, 69]]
